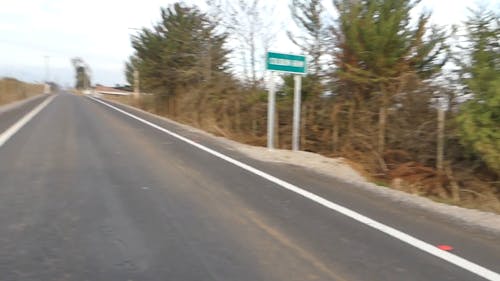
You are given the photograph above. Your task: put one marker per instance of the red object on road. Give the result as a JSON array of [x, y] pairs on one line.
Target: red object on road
[[445, 247]]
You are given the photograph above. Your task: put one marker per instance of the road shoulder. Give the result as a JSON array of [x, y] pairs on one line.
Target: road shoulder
[[20, 103]]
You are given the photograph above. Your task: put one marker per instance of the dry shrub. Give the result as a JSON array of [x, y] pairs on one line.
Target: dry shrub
[[419, 179], [415, 178], [476, 192], [394, 157]]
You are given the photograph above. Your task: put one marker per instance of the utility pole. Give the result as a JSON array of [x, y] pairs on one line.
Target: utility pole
[[136, 84], [46, 89]]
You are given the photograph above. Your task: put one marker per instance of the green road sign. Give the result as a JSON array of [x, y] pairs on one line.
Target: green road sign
[[286, 63]]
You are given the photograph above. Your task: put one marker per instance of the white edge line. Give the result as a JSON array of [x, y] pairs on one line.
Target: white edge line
[[406, 238], [12, 130]]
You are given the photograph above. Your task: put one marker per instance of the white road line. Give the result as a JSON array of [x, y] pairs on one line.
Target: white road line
[[12, 130], [406, 238]]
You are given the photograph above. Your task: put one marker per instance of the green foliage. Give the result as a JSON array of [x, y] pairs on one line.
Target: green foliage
[[180, 52], [308, 17], [309, 87], [131, 65], [479, 119], [379, 49], [378, 44]]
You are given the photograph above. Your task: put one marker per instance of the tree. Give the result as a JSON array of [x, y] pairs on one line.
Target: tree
[[479, 118], [181, 52], [82, 73], [250, 24], [378, 47], [312, 40], [130, 66], [308, 17]]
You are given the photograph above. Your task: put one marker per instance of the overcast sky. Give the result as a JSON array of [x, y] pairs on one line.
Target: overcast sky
[[98, 31]]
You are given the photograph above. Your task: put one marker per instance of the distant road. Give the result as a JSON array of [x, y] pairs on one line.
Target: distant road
[[91, 192]]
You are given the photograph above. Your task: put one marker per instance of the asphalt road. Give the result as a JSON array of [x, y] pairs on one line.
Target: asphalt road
[[89, 193]]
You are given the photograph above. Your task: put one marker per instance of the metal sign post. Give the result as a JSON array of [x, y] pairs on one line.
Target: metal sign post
[[286, 63], [270, 113], [296, 112]]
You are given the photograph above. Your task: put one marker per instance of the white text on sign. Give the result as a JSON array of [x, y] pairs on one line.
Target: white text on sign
[[285, 62]]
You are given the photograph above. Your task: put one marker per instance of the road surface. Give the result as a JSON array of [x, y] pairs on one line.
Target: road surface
[[90, 193]]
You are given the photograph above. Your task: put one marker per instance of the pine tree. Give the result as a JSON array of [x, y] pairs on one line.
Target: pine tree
[[308, 17], [148, 46], [82, 71], [130, 66], [479, 118], [378, 46], [181, 52]]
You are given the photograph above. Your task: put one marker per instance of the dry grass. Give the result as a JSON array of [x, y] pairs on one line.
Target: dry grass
[[12, 90]]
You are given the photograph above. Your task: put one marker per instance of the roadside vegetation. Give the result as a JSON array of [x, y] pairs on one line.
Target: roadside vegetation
[[12, 90], [416, 106]]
